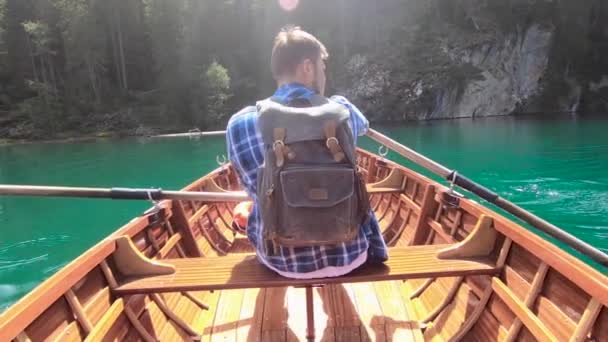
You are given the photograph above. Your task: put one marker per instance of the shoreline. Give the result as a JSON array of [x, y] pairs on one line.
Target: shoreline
[[83, 138], [123, 134]]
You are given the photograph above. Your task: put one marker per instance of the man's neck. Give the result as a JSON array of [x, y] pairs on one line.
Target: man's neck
[[285, 82], [287, 92]]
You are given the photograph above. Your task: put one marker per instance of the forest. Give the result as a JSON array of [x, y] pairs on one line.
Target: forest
[[72, 68]]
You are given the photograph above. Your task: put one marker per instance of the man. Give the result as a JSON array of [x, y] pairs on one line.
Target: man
[[298, 66]]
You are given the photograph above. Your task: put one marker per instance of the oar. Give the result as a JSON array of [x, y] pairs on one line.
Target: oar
[[491, 197], [192, 133], [122, 193]]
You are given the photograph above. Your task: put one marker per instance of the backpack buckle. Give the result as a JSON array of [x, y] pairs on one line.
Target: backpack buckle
[[279, 153], [278, 144], [334, 147], [332, 141]]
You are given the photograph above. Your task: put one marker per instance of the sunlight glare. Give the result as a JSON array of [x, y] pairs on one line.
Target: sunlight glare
[[289, 5]]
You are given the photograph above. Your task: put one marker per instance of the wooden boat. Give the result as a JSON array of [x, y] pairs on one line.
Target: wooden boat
[[458, 271]]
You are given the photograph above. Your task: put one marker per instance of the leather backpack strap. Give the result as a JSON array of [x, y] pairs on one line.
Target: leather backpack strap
[[278, 146], [280, 149], [332, 142]]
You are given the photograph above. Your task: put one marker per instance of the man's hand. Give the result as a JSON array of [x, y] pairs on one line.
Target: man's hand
[[241, 215]]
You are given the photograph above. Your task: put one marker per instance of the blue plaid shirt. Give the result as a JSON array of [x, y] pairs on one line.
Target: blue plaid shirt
[[246, 152]]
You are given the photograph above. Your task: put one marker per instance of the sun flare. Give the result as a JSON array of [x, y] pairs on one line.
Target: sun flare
[[289, 5]]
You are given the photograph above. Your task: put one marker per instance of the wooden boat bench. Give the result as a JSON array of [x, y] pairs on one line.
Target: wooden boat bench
[[142, 275]]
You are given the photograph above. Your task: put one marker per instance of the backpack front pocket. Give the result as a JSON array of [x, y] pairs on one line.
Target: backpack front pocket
[[318, 206]]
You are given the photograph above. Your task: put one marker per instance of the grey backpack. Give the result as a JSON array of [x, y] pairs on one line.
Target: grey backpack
[[309, 190]]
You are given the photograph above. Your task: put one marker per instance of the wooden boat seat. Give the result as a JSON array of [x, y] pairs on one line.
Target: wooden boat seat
[[393, 183], [142, 275], [245, 271]]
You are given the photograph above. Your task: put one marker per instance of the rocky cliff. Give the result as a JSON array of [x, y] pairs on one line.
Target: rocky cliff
[[473, 58]]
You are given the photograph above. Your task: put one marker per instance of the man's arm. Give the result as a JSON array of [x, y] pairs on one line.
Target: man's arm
[[243, 146], [359, 121]]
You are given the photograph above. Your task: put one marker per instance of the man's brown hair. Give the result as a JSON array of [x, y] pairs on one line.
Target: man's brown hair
[[291, 47]]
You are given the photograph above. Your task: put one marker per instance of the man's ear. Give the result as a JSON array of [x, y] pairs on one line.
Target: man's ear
[[308, 66]]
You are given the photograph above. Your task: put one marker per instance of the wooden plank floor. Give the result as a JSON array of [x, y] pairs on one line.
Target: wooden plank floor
[[347, 312], [344, 312], [374, 312]]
